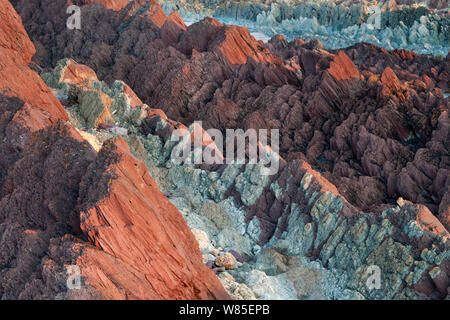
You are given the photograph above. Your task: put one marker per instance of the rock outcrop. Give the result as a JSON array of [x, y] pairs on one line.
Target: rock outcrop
[[64, 206], [293, 235], [411, 25], [327, 105], [110, 4], [138, 226], [17, 51], [233, 45], [363, 178]]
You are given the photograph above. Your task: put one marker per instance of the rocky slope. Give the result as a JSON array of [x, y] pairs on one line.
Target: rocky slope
[[419, 26], [330, 108], [291, 236], [64, 204], [364, 137]]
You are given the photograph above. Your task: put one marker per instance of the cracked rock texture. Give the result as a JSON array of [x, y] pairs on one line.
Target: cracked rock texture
[[298, 238], [364, 134], [63, 204], [414, 25], [362, 116]]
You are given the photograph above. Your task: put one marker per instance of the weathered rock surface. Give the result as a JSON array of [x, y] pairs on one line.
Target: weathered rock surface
[[17, 51], [413, 25], [110, 4], [296, 237], [328, 105], [360, 128], [233, 45], [139, 227], [63, 204]]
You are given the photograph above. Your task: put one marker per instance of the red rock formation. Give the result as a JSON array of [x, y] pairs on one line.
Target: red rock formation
[[110, 4], [134, 99], [367, 147], [428, 221], [336, 84], [156, 14], [139, 246], [391, 84], [238, 45], [234, 45], [342, 68], [172, 29], [41, 106], [176, 18], [330, 109], [137, 225], [75, 73]]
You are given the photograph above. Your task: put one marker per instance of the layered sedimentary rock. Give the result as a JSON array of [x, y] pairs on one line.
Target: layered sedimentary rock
[[110, 4], [141, 229], [364, 137], [322, 97], [17, 50], [391, 24], [292, 235], [63, 206]]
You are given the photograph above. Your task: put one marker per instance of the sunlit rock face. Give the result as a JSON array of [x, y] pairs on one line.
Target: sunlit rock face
[[363, 178], [294, 235], [63, 204], [422, 27]]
